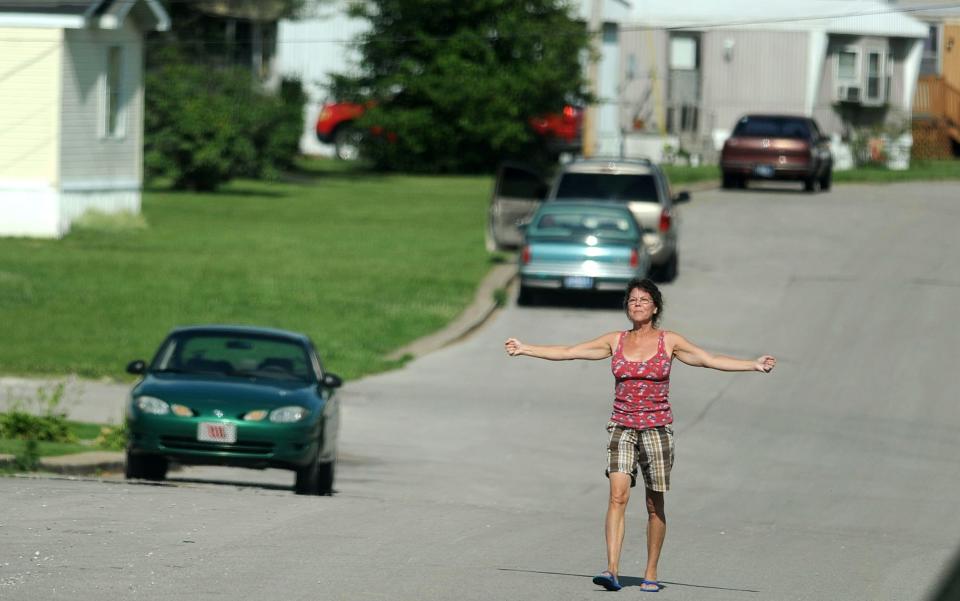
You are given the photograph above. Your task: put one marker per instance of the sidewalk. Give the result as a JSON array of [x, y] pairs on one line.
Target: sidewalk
[[94, 401]]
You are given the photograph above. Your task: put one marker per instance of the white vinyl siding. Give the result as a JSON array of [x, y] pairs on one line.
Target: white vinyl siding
[[30, 61], [93, 156]]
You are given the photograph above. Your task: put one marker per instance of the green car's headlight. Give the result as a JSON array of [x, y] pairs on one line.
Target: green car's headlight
[[149, 404], [255, 416], [288, 415]]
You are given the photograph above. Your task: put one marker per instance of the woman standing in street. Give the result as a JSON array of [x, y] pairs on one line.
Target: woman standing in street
[[640, 427]]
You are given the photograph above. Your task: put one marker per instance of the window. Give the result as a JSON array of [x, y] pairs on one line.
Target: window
[[876, 77], [683, 53], [930, 63], [848, 66], [607, 186], [773, 127], [113, 115]]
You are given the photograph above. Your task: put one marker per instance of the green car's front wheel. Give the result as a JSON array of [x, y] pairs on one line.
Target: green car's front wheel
[[146, 467], [316, 478]]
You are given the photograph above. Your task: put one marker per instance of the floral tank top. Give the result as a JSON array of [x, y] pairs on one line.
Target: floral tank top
[[642, 389]]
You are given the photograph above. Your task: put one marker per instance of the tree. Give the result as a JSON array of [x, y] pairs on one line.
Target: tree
[[452, 84]]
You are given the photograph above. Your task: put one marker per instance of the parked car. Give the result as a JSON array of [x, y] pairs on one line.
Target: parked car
[[581, 246], [235, 396], [638, 184], [336, 124], [784, 147]]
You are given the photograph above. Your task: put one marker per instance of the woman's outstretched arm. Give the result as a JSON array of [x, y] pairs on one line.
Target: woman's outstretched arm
[[691, 354], [598, 348]]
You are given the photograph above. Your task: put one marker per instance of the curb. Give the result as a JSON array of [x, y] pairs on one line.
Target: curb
[[78, 464], [483, 306]]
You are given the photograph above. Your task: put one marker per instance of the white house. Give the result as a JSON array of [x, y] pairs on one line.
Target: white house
[[71, 92], [312, 47], [692, 68]]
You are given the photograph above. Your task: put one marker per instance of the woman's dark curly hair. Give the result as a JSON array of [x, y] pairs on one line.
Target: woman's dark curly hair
[[647, 285]]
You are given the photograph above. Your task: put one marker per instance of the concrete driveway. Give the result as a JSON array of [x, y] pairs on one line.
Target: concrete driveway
[[469, 475]]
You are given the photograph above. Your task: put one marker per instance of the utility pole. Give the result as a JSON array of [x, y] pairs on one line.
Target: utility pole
[[593, 71]]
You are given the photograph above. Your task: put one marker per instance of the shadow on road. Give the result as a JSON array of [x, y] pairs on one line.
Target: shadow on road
[[237, 483], [627, 581], [769, 188], [604, 301]]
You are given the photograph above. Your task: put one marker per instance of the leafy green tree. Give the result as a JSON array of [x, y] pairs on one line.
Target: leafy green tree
[[453, 84]]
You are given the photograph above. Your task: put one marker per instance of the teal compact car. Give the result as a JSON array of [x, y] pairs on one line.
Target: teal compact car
[[235, 396], [590, 246]]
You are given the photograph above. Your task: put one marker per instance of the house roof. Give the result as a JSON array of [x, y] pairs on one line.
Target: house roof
[[929, 10], [80, 14], [855, 17]]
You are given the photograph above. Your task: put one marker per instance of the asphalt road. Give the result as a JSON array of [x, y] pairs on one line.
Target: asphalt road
[[469, 475]]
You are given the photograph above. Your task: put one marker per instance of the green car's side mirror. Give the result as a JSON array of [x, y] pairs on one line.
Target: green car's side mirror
[[332, 381], [138, 367]]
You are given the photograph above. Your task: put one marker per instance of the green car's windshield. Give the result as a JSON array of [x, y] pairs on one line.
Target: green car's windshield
[[234, 355], [605, 225]]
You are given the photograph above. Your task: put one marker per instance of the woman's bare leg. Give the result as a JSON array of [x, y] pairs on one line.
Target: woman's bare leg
[[656, 531], [617, 507]]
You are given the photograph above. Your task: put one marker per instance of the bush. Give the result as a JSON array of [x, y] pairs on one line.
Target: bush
[[46, 423], [205, 126], [112, 438], [274, 125]]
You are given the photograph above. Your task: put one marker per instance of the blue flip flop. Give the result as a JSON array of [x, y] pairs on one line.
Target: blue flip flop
[[607, 581], [650, 583]]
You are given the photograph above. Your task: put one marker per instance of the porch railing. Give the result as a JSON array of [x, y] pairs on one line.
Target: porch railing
[[937, 98]]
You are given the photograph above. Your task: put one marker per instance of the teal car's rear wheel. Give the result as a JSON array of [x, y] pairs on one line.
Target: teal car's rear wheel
[[145, 467], [315, 478]]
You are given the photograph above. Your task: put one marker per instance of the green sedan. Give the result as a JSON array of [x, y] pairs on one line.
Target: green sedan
[[235, 396]]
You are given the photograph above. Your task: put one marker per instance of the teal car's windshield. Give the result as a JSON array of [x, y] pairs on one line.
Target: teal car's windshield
[[234, 355], [605, 225]]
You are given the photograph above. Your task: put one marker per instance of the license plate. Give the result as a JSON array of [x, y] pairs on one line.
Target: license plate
[[217, 432], [578, 281], [763, 171]]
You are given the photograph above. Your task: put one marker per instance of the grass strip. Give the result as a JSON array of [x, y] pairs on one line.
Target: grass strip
[[363, 263]]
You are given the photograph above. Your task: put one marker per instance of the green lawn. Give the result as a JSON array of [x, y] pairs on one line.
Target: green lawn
[[680, 174], [918, 171], [362, 263], [83, 431]]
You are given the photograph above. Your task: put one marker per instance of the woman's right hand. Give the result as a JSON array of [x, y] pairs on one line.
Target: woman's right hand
[[513, 346]]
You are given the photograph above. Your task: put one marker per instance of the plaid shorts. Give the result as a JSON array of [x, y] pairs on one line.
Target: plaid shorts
[[649, 450]]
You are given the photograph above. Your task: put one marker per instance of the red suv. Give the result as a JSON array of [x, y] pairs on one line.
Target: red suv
[[336, 125], [777, 147]]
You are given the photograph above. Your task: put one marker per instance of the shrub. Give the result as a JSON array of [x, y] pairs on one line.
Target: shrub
[[274, 125], [47, 423], [112, 438], [205, 126]]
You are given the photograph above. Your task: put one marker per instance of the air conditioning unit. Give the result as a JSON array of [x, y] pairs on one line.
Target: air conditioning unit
[[848, 93]]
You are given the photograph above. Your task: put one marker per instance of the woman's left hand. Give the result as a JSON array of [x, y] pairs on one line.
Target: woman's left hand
[[765, 364]]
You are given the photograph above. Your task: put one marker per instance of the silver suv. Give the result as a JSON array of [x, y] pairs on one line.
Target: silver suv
[[638, 183]]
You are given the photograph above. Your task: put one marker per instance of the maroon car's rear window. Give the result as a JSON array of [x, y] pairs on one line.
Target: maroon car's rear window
[[772, 127]]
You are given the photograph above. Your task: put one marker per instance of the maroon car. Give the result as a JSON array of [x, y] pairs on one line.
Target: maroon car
[[768, 147]]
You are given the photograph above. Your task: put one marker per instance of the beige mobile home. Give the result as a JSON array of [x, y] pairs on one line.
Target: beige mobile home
[[691, 69], [71, 110]]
